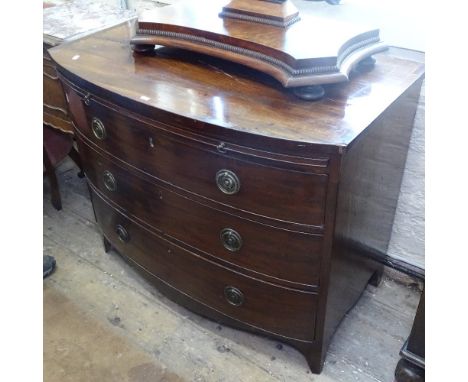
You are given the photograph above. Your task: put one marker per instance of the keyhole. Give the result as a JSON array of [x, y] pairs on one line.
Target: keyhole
[[151, 142]]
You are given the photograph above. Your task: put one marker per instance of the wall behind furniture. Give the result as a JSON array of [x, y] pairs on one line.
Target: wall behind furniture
[[407, 241]]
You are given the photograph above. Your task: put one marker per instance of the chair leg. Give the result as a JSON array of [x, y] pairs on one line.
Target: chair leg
[[50, 172], [75, 156]]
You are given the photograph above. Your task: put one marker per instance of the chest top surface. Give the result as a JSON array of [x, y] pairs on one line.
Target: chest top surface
[[215, 93]]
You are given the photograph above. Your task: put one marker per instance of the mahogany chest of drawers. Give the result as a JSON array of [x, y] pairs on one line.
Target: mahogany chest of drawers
[[232, 196]]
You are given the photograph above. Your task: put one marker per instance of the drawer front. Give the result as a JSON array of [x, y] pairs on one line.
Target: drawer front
[[52, 92], [278, 310], [271, 188], [285, 255], [54, 102]]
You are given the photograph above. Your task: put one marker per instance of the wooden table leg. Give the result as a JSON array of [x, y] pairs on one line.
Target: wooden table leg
[[75, 156], [50, 173]]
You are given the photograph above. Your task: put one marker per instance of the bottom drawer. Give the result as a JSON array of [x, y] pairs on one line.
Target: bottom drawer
[[281, 311]]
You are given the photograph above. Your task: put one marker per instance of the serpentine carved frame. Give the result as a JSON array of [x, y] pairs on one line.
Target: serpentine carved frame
[[352, 54]]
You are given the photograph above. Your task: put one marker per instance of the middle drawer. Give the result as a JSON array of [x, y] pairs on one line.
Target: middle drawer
[[288, 256]]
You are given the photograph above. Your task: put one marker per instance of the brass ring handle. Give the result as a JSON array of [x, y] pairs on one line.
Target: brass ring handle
[[109, 181], [98, 129], [227, 182], [233, 295], [231, 239], [122, 233]]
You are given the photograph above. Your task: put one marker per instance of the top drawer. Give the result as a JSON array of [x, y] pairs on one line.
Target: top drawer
[[277, 189]]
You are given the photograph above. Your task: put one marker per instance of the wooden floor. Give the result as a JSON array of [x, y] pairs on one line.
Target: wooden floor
[[102, 322]]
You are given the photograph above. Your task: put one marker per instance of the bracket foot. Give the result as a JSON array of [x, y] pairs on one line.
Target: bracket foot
[[142, 48], [365, 65]]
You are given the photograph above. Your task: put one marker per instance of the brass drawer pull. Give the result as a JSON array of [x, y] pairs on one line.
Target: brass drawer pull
[[109, 181], [222, 148], [87, 99], [233, 295], [227, 182], [122, 233], [231, 240], [98, 128]]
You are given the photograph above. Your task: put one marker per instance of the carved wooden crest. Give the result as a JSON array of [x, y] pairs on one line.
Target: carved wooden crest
[[300, 51]]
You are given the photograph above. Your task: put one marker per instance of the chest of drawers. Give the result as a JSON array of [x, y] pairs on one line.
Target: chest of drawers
[[55, 111], [233, 197]]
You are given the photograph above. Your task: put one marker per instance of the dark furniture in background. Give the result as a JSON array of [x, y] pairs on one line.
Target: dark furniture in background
[[56, 146], [55, 109], [411, 367], [61, 23], [234, 197], [57, 126]]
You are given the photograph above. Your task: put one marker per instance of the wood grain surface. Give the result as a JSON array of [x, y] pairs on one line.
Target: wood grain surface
[[279, 255], [173, 119], [229, 101], [97, 295], [204, 281]]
